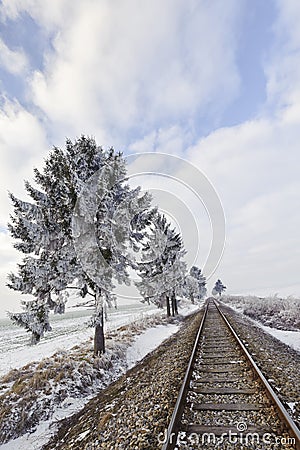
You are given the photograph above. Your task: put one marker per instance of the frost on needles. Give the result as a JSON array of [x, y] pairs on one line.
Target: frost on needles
[[43, 233]]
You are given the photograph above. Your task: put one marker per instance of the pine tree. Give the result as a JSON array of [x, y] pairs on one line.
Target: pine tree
[[44, 230], [191, 288], [35, 319], [40, 229], [196, 273], [218, 288], [162, 269], [108, 221]]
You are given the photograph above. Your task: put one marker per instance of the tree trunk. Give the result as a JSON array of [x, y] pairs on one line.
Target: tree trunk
[[168, 306], [99, 340], [35, 338], [174, 305]]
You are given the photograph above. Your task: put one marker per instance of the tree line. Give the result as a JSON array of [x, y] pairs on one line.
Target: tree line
[[130, 234]]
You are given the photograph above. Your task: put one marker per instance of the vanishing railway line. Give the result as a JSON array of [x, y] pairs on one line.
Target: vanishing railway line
[[225, 401]]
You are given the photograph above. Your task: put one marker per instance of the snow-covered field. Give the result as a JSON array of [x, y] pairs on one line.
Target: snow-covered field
[[143, 344], [68, 330]]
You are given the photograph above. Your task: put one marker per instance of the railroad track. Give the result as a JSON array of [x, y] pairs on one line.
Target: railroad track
[[225, 401]]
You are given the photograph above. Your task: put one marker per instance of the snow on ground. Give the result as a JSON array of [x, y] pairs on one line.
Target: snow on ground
[[148, 341], [68, 330], [33, 441], [46, 428], [143, 344], [291, 338], [153, 337], [188, 308]]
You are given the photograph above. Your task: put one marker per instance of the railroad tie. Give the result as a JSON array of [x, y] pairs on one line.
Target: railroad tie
[[226, 406], [222, 430], [223, 390]]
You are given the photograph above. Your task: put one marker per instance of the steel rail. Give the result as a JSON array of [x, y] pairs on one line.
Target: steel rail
[[271, 393], [172, 431], [173, 428]]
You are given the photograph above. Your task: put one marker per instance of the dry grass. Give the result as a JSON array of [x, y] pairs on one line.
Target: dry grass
[[33, 391], [276, 312]]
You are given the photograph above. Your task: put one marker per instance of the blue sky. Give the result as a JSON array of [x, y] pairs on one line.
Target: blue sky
[[218, 86]]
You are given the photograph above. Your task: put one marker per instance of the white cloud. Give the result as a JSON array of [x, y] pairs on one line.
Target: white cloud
[[23, 146], [254, 168], [125, 66], [49, 15], [14, 61], [173, 140], [283, 69]]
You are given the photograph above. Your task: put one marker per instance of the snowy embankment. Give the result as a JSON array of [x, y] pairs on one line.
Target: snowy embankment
[[42, 392], [283, 314], [291, 338]]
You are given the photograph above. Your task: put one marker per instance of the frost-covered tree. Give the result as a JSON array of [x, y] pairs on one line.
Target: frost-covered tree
[[34, 318], [108, 223], [218, 288], [162, 269], [195, 284], [42, 233], [191, 288], [196, 273], [44, 229]]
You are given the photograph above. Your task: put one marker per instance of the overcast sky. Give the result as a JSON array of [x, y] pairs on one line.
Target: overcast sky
[[216, 82]]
